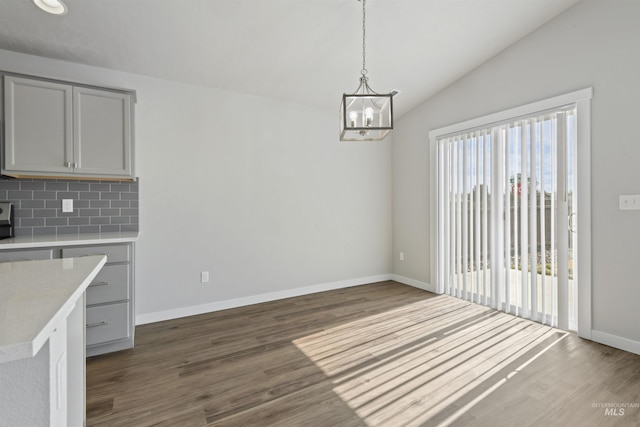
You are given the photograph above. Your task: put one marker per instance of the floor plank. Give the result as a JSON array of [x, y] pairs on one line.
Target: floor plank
[[383, 354]]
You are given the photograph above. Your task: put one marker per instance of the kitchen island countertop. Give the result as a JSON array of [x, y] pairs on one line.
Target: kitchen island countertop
[[35, 296]]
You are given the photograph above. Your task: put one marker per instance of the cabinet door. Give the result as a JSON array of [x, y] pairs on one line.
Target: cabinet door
[[102, 124], [38, 126]]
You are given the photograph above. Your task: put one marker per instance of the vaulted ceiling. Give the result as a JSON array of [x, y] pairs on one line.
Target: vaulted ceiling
[[303, 51]]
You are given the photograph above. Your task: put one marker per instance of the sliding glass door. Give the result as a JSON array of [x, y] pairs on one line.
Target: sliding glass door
[[506, 216]]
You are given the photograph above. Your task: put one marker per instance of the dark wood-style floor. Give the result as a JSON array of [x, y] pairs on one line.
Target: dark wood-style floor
[[377, 355]]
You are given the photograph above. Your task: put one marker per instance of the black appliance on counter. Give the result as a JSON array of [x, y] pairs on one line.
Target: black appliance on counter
[[6, 220]]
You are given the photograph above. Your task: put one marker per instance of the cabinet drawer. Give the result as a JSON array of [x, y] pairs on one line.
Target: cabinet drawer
[[107, 323], [114, 253], [111, 284], [27, 255]]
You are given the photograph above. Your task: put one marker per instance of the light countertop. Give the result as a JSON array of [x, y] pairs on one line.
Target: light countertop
[[35, 296], [29, 242]]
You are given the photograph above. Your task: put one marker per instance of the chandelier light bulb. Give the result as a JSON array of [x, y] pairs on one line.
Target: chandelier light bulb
[[353, 117], [368, 116]]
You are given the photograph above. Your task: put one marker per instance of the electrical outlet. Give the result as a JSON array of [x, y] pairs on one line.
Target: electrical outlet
[[629, 202], [204, 277], [401, 256], [67, 205]]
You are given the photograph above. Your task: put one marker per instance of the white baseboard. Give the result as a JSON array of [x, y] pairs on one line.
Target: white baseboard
[[176, 313], [412, 282], [616, 341]]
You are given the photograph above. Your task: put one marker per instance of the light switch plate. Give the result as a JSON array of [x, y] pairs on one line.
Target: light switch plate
[[629, 202], [67, 205]]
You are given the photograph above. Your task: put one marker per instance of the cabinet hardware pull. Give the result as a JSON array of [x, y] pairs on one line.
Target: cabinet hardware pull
[[67, 164], [99, 284], [93, 325], [75, 165]]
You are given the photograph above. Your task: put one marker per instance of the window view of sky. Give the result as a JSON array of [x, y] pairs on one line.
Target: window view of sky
[[471, 157]]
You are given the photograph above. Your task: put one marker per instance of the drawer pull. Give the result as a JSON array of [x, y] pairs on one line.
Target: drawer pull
[[93, 325], [99, 284]]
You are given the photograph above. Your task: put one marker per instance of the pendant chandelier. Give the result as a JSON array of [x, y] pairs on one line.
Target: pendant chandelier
[[365, 115]]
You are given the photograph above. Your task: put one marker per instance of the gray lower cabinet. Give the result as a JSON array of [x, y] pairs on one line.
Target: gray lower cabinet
[[110, 321], [110, 317], [26, 255]]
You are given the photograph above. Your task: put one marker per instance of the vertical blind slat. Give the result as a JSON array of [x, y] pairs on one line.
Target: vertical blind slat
[[497, 213], [554, 201], [452, 222], [478, 212], [485, 226], [515, 195], [562, 226], [465, 217], [459, 175], [524, 217], [546, 140], [507, 222], [533, 217]]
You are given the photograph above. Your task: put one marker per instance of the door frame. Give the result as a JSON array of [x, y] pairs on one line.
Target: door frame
[[582, 100]]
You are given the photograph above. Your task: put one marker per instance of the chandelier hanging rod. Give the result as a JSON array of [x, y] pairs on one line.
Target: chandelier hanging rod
[[364, 38]]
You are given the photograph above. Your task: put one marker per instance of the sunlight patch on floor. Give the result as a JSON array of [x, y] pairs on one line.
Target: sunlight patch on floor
[[429, 361]]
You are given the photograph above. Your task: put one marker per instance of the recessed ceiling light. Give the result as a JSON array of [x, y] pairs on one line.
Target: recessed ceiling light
[[55, 7]]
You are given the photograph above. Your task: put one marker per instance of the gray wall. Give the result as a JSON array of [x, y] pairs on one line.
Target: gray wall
[[593, 44]]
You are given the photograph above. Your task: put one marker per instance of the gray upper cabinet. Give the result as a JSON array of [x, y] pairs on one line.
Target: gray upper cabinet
[[57, 129], [38, 126], [102, 125]]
